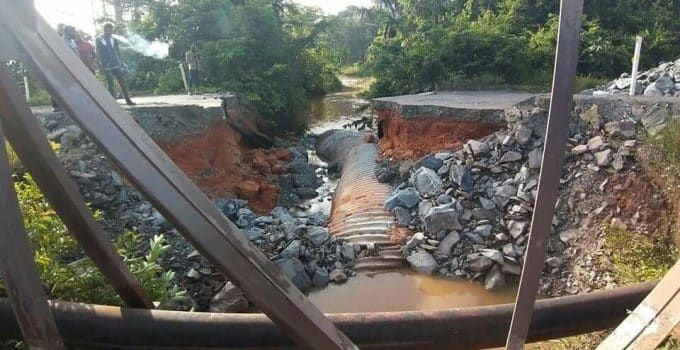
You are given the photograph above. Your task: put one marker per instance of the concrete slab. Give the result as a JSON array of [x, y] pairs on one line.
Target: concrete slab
[[162, 117], [459, 99], [204, 101], [475, 106]]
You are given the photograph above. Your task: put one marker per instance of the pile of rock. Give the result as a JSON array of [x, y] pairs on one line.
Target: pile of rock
[[300, 244], [297, 241], [663, 80], [471, 209]]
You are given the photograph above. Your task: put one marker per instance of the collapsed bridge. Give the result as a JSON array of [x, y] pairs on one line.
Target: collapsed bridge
[[48, 326]]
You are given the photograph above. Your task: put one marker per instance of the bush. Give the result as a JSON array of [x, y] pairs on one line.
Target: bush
[[636, 258], [584, 82], [39, 97], [668, 141], [425, 45], [14, 162], [69, 276]]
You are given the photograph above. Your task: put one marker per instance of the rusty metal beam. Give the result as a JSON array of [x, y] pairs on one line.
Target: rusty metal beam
[[17, 268], [566, 60], [94, 326], [29, 142], [168, 188]]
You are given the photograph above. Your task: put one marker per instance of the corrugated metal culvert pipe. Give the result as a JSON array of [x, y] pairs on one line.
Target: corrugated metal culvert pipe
[[358, 214]]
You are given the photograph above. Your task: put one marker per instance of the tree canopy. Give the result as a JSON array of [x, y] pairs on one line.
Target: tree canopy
[[277, 54], [426, 44]]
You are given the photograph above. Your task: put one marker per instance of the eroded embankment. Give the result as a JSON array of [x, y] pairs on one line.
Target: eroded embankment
[[220, 162], [405, 138], [469, 208]]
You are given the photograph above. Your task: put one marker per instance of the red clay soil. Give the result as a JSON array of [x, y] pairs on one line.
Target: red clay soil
[[220, 163], [418, 136]]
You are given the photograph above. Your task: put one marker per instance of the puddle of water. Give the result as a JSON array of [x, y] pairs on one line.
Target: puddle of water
[[323, 202], [331, 112], [337, 109], [405, 290], [397, 290]]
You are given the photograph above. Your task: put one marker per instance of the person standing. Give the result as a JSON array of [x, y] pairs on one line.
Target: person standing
[[67, 33], [86, 52], [110, 63], [193, 60]]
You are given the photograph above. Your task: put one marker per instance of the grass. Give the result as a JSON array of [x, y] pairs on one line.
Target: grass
[[39, 97], [579, 342], [670, 344], [14, 162], [637, 258], [634, 258], [668, 141], [354, 70], [585, 82]]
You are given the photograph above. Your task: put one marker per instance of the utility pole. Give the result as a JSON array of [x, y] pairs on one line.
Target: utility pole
[[636, 64]]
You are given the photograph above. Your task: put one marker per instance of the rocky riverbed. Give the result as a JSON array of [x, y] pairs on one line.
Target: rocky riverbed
[[293, 237]]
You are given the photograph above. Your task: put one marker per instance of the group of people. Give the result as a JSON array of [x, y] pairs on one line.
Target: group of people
[[107, 52]]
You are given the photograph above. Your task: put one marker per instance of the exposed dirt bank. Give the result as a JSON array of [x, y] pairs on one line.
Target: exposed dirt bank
[[414, 137], [222, 165]]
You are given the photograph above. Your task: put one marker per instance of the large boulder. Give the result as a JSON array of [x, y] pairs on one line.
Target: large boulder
[[229, 299], [430, 162], [423, 262], [428, 182], [407, 198], [295, 271], [317, 235], [625, 129], [655, 120], [460, 175], [495, 279], [443, 217], [445, 246]]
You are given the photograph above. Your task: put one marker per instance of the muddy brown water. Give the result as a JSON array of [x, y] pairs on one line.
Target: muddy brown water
[[405, 290], [396, 290]]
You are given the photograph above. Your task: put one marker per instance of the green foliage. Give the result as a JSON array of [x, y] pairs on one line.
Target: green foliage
[[14, 162], [39, 97], [670, 344], [69, 276], [424, 45], [637, 258], [668, 141], [584, 82], [352, 32], [277, 54]]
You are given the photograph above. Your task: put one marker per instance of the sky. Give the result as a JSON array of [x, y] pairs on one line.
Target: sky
[[80, 13]]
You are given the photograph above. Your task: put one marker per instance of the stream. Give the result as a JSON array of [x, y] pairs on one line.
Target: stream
[[396, 290]]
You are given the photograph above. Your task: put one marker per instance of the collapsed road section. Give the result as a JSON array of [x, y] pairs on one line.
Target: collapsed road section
[[467, 208]]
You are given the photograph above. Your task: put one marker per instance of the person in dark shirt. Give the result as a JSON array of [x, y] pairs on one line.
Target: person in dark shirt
[[110, 63], [193, 59]]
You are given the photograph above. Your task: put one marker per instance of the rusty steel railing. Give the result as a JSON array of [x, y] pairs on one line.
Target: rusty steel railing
[[566, 60], [26, 35], [154, 174]]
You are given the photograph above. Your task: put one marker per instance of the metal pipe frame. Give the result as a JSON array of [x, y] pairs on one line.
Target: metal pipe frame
[[30, 143], [17, 268], [107, 327], [152, 172], [566, 61]]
